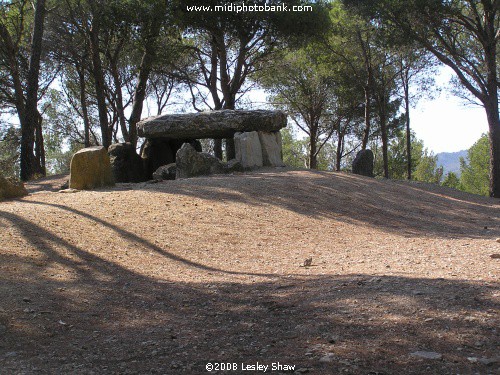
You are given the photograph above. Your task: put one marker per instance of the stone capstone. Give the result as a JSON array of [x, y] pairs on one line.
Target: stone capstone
[[212, 124], [90, 169], [248, 149], [158, 152], [125, 163], [165, 172], [363, 163], [191, 163], [271, 149], [11, 188]]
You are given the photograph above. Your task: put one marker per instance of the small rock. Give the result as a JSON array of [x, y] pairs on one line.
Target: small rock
[[427, 355], [417, 292], [327, 358], [302, 370], [489, 361], [495, 256], [428, 320], [165, 172], [472, 359], [26, 299], [69, 191], [498, 240]]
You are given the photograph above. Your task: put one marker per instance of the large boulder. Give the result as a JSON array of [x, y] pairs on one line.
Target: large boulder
[[363, 163], [190, 163], [271, 149], [90, 169], [158, 152], [212, 124], [125, 163], [165, 172], [11, 188]]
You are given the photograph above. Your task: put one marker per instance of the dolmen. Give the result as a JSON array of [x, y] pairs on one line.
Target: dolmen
[[256, 135]]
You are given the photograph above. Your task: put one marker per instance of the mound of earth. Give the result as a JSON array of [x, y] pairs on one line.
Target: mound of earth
[[331, 273]]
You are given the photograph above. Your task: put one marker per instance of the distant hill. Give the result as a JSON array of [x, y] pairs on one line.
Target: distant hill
[[451, 161]]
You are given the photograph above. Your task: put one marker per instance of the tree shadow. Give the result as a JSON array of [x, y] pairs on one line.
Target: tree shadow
[[72, 311]]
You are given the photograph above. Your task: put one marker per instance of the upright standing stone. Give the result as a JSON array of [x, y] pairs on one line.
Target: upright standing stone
[[271, 149], [125, 163], [90, 169], [363, 163], [248, 149]]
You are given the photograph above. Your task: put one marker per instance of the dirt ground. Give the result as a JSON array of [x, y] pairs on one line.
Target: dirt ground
[[167, 278]]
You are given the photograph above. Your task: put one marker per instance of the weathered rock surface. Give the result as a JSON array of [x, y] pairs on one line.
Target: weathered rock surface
[[233, 165], [213, 124], [165, 172], [248, 149], [158, 152], [90, 169], [191, 163], [271, 149], [125, 163], [11, 188], [363, 163]]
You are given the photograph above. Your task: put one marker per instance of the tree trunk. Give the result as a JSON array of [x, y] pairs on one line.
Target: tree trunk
[[29, 165], [491, 104], [383, 131], [119, 100], [494, 157], [408, 129], [366, 133], [492, 114], [83, 103], [339, 152], [145, 68], [230, 149], [313, 157], [39, 145], [218, 148], [99, 83]]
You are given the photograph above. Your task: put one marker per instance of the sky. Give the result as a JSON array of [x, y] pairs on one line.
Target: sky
[[447, 123]]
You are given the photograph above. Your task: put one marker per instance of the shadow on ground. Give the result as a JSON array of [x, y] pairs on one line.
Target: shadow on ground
[[393, 206], [108, 319]]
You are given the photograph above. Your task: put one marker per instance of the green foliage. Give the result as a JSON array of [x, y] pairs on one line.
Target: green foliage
[[427, 170], [9, 151], [475, 174], [451, 180], [294, 154], [398, 157]]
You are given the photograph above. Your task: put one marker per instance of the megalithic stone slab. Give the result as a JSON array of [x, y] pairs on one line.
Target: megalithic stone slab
[[248, 149], [90, 169], [213, 124], [271, 149]]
